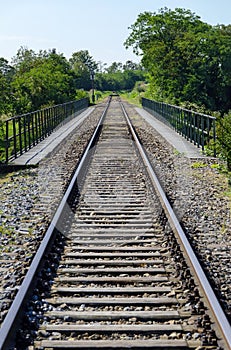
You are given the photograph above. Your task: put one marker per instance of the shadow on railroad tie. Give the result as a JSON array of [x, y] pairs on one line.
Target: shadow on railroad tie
[[10, 168], [37, 305]]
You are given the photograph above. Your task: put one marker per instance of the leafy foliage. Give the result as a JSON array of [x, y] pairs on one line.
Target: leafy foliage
[[38, 80], [186, 59], [83, 66], [42, 79], [188, 62], [224, 138], [81, 94], [6, 73], [119, 77]]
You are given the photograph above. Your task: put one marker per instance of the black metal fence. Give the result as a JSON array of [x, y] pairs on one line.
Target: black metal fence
[[197, 127], [25, 131]]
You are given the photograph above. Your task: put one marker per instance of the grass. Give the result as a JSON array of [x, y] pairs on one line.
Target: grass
[[178, 153], [223, 176], [215, 166], [100, 96], [132, 97], [5, 230], [3, 137], [198, 165], [4, 178]]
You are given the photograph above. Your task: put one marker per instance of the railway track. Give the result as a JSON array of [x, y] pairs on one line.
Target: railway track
[[112, 274]]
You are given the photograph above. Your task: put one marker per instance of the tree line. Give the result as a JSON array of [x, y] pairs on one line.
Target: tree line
[[36, 80], [186, 59], [188, 63]]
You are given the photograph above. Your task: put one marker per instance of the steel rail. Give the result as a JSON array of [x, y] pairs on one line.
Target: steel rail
[[218, 313], [13, 317], [9, 326]]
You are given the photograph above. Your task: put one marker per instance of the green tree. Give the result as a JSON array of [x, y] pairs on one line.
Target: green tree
[[83, 64], [158, 37], [119, 77], [114, 67], [224, 138], [42, 79], [223, 41], [6, 75], [24, 60], [186, 59], [188, 62], [130, 66]]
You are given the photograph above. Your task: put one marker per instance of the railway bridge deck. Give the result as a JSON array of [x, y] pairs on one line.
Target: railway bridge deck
[[41, 150]]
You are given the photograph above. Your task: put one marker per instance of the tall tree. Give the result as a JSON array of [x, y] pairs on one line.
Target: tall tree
[[6, 75], [45, 79], [223, 41], [83, 66], [114, 67], [186, 58], [120, 77], [130, 65], [24, 59]]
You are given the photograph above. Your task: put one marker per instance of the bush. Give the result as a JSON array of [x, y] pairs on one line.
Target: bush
[[224, 138], [80, 94], [2, 141]]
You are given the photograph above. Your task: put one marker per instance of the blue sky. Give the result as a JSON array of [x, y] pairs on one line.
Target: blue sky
[[99, 26]]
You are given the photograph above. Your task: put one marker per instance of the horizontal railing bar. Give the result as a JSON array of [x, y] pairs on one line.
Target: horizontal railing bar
[[194, 126], [22, 132]]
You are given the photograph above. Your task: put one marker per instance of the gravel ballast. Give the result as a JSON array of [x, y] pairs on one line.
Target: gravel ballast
[[199, 194], [29, 199], [195, 188]]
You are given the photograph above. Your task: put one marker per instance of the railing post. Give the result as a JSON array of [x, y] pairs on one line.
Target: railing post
[[14, 138], [190, 126], [49, 121], [26, 130], [36, 126], [52, 119], [214, 138], [45, 122], [32, 129], [39, 127], [20, 134], [203, 132], [7, 141], [29, 130], [194, 129]]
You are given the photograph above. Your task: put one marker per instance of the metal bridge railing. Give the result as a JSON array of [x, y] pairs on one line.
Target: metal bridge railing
[[25, 131], [197, 127]]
